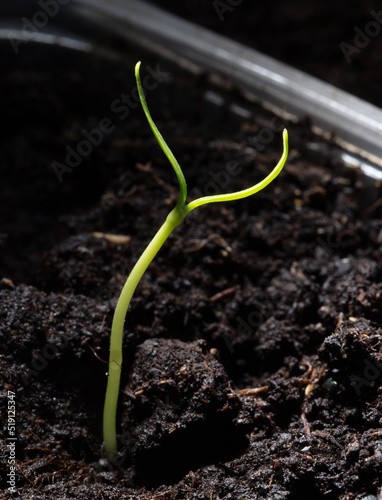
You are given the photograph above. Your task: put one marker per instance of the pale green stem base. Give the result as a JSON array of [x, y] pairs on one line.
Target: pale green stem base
[[174, 218]]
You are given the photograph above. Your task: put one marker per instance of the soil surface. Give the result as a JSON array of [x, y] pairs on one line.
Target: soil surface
[[253, 345]]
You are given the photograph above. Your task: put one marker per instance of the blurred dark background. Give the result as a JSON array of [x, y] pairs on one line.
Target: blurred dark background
[[336, 41], [339, 42]]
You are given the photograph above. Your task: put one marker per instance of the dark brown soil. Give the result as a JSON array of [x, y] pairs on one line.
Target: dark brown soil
[[256, 332]]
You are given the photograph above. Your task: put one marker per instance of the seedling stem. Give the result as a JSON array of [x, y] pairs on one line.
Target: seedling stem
[[173, 220]]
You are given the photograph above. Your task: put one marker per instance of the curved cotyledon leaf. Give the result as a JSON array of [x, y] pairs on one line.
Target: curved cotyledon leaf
[[174, 218]]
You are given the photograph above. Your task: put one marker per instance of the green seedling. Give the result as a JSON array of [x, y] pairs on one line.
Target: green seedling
[[174, 218]]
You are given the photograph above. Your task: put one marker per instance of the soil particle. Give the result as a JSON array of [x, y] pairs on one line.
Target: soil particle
[[353, 355], [181, 411]]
